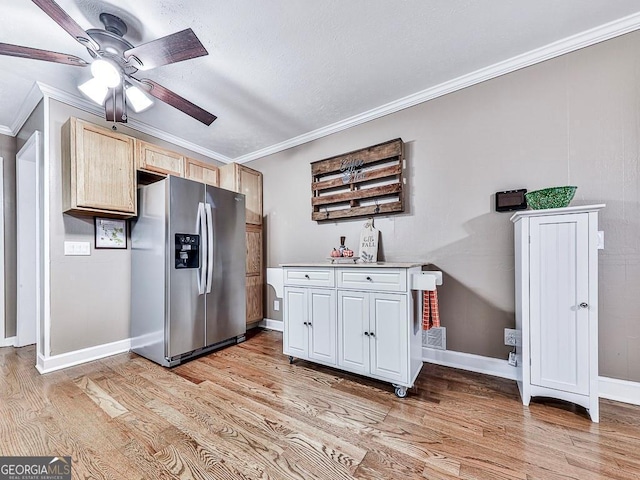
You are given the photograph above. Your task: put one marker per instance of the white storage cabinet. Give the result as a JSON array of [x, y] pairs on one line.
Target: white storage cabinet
[[556, 255]]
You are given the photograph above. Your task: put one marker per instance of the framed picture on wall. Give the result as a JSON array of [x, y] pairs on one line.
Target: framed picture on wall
[[111, 233]]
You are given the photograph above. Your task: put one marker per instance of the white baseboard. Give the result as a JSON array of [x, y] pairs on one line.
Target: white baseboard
[[64, 360], [270, 324], [610, 388], [619, 390], [470, 362], [7, 342]]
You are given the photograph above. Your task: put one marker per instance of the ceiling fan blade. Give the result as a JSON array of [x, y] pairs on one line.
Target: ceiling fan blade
[[36, 54], [59, 16], [173, 48], [175, 100]]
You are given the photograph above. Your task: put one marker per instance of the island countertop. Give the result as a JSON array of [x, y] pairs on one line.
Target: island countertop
[[344, 264]]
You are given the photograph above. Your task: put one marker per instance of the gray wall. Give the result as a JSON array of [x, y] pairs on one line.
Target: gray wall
[[89, 295], [572, 120], [8, 153]]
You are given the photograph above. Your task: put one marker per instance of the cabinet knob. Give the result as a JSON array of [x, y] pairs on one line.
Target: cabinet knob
[[366, 333], [305, 323], [370, 279], [372, 334], [583, 305], [306, 276], [309, 323]]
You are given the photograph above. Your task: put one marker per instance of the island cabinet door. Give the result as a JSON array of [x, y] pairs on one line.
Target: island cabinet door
[[322, 325], [388, 332], [353, 331], [296, 334]]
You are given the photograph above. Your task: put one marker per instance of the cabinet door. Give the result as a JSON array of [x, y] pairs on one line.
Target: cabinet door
[[254, 284], [254, 250], [296, 332], [353, 322], [254, 273], [250, 183], [155, 159], [388, 330], [559, 273], [102, 161], [201, 172], [322, 325]]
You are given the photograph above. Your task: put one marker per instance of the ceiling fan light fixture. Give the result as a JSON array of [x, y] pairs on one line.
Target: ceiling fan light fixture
[[95, 90], [106, 73], [137, 99]]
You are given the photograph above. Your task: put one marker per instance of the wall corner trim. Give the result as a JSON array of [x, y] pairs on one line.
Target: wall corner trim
[[270, 324], [70, 359], [619, 390], [469, 362]]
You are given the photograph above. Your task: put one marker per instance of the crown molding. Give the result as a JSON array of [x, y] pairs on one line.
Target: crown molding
[[41, 90], [552, 50], [581, 40], [28, 105], [87, 106]]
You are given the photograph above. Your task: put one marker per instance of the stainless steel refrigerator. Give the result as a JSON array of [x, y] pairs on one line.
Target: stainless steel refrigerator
[[188, 261]]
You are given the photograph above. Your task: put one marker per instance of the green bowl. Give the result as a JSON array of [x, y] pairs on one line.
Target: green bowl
[[554, 197]]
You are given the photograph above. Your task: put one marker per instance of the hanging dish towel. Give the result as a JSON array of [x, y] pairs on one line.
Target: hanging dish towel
[[430, 310]]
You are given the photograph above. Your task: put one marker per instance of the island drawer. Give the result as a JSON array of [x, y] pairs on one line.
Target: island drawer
[[380, 279], [310, 277]]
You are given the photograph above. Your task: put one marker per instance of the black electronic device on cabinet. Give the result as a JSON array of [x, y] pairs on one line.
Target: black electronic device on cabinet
[[510, 200]]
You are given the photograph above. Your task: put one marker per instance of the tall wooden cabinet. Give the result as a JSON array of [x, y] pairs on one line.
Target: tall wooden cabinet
[[239, 178], [98, 171], [556, 254]]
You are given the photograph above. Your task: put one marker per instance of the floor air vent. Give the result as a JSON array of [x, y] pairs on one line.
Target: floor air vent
[[436, 337]]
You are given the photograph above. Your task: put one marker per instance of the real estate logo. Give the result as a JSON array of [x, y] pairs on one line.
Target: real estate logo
[[35, 468]]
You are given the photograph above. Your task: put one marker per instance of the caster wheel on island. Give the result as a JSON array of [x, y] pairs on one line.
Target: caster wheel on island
[[401, 392], [290, 359]]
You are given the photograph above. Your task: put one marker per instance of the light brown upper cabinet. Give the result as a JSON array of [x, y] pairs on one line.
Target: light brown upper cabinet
[[152, 158], [98, 171], [248, 181], [202, 172]]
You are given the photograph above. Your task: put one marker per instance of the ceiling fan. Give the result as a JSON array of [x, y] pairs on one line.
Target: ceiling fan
[[114, 61]]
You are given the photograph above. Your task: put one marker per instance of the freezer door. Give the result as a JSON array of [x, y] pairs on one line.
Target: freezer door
[[186, 306], [226, 304]]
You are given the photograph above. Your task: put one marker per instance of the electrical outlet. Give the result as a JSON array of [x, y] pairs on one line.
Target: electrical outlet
[[510, 337], [512, 359], [276, 305]]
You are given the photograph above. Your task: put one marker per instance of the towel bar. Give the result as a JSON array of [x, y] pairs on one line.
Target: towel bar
[[427, 280]]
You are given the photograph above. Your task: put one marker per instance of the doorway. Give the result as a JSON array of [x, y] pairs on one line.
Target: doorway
[[27, 241]]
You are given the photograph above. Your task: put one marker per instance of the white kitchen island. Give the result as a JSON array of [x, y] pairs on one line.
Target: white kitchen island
[[363, 318]]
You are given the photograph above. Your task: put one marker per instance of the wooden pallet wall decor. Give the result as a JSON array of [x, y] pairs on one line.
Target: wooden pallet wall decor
[[362, 183]]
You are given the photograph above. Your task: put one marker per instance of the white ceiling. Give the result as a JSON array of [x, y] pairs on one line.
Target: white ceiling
[[281, 71]]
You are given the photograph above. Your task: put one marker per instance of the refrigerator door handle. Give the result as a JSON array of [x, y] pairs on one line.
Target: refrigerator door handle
[[209, 246], [203, 251]]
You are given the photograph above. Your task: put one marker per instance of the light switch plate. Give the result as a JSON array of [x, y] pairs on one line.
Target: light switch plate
[[77, 248], [276, 305], [600, 240]]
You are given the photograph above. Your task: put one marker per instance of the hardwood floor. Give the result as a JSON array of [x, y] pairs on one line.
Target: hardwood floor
[[244, 412]]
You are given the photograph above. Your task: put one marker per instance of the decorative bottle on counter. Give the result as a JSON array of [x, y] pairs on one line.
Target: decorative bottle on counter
[[342, 247]]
